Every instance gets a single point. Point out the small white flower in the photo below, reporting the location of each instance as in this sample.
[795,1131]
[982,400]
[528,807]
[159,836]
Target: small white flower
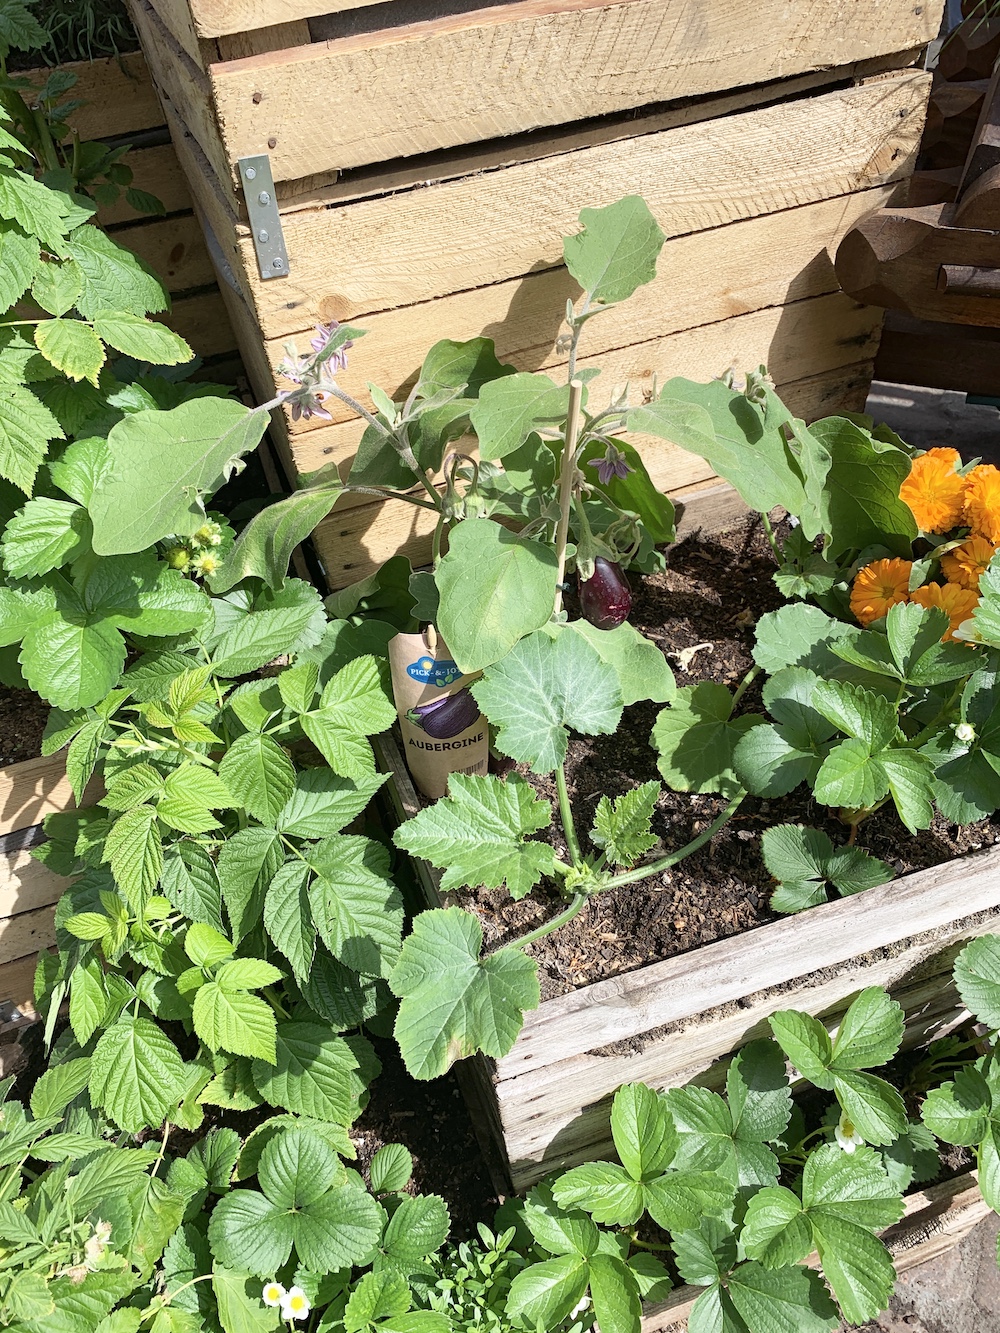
[847,1136]
[580,1307]
[965,732]
[273,1293]
[295,1304]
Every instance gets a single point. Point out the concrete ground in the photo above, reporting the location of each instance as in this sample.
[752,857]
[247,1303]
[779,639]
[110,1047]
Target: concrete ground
[960,1291]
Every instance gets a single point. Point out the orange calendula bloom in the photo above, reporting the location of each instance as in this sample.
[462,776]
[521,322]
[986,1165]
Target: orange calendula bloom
[968,562]
[879,586]
[934,491]
[982,501]
[958,603]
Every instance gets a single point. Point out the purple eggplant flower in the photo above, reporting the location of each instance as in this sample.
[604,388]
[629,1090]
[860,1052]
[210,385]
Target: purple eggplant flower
[324,332]
[309,403]
[613,464]
[605,598]
[447,716]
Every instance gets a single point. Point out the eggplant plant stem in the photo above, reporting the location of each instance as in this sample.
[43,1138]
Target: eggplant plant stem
[769,531]
[655,867]
[562,919]
[566,815]
[566,475]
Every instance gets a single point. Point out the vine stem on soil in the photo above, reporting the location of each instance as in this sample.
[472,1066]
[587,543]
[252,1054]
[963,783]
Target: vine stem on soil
[566,815]
[643,872]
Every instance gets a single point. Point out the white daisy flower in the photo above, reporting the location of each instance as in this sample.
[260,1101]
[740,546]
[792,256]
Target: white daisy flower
[273,1294]
[295,1304]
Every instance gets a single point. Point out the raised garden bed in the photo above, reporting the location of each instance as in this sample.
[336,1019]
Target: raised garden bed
[666,1022]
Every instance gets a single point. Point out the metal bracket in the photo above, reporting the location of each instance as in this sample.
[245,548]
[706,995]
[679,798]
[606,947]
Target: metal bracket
[265,220]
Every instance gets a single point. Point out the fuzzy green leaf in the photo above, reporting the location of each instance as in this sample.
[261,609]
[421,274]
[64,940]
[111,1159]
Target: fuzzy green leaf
[510,409]
[479,834]
[45,534]
[616,251]
[453,1000]
[354,904]
[622,827]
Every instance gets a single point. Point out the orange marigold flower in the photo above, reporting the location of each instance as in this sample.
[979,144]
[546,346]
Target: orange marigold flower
[968,562]
[982,501]
[934,491]
[879,586]
[959,603]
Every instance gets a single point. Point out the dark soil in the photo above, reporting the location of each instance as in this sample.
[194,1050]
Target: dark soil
[22,720]
[711,594]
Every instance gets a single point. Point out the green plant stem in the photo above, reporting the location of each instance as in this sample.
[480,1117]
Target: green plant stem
[566,815]
[577,904]
[567,473]
[655,867]
[384,493]
[577,327]
[436,539]
[771,540]
[745,684]
[926,732]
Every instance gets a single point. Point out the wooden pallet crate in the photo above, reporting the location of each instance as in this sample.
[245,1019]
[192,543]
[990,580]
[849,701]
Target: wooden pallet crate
[426,171]
[121,106]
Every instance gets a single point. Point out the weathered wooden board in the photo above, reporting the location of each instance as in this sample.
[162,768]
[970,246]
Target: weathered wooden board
[545,62]
[707,283]
[411,247]
[935,1220]
[31,790]
[803,338]
[17,984]
[354,541]
[26,933]
[157,171]
[26,885]
[174,248]
[212,18]
[117,96]
[202,320]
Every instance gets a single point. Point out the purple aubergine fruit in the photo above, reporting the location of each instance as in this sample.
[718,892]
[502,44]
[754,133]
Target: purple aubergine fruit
[605,598]
[447,716]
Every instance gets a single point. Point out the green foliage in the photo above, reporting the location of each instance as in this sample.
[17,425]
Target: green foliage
[696,738]
[805,861]
[622,827]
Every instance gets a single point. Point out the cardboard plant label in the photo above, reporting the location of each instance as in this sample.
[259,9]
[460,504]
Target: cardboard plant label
[443,729]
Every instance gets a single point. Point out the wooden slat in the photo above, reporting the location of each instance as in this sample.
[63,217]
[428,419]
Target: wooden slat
[26,885]
[681,988]
[352,544]
[939,356]
[212,18]
[559,1116]
[203,321]
[17,984]
[117,96]
[375,255]
[254,43]
[793,341]
[544,62]
[26,933]
[705,280]
[31,790]
[934,1221]
[174,248]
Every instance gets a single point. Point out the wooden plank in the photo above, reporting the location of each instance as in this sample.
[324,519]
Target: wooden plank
[352,544]
[33,789]
[202,320]
[26,933]
[379,254]
[177,76]
[793,341]
[174,248]
[680,988]
[175,15]
[934,1221]
[26,885]
[212,18]
[17,984]
[117,95]
[279,37]
[706,279]
[939,356]
[558,1116]
[545,62]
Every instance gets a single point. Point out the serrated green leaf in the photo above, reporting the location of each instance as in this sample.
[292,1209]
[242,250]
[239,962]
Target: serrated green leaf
[72,347]
[20,258]
[453,1000]
[316,1073]
[134,850]
[247,863]
[136,1073]
[390,1169]
[605,1190]
[57,285]
[58,1086]
[615,1295]
[874,1107]
[856,1265]
[776,1231]
[977,978]
[696,738]
[478,834]
[141,338]
[959,1111]
[235,1021]
[323,803]
[785,1300]
[418,1227]
[288,919]
[544,1294]
[870,1032]
[44,535]
[807,1044]
[622,827]
[354,904]
[191,882]
[112,277]
[26,428]
[541,689]
[260,770]
[797,636]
